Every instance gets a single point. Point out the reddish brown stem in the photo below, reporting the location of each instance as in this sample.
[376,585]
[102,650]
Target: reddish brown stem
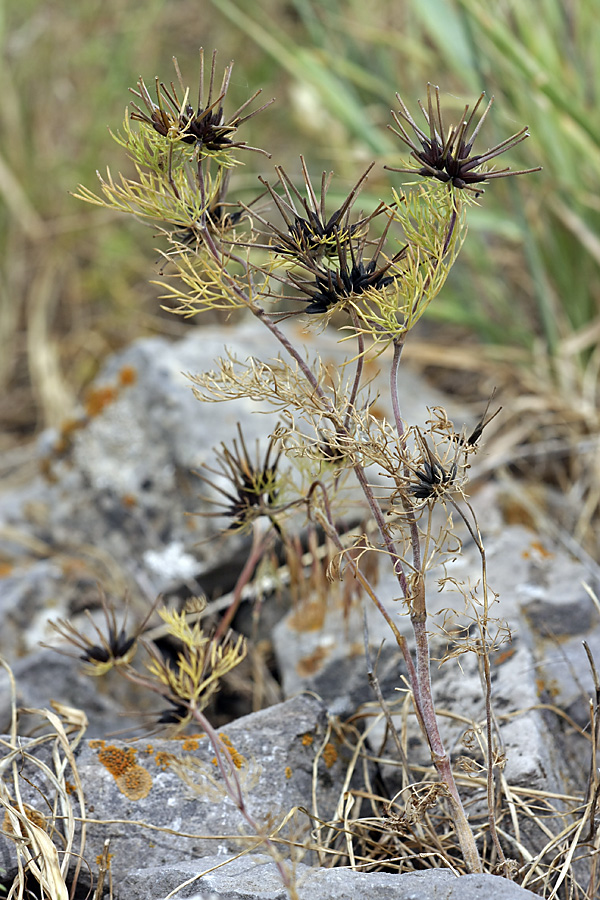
[235,793]
[260,543]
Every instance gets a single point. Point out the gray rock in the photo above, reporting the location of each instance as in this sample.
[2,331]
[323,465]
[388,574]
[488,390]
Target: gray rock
[110,703]
[114,509]
[257,878]
[175,787]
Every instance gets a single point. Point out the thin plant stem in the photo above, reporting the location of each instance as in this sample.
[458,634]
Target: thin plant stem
[399,423]
[482,622]
[375,508]
[418,618]
[441,759]
[451,225]
[328,525]
[260,543]
[376,688]
[236,794]
[359,368]
[359,471]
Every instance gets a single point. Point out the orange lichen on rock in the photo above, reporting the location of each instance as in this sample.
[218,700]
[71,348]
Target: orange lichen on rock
[98,399]
[309,616]
[135,782]
[498,659]
[550,687]
[117,759]
[288,772]
[188,739]
[127,376]
[311,664]
[132,779]
[540,550]
[307,740]
[64,441]
[237,759]
[163,759]
[35,817]
[330,755]
[61,447]
[95,402]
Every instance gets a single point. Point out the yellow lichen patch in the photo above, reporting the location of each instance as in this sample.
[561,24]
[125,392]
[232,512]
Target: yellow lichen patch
[117,759]
[163,759]
[539,549]
[190,743]
[330,755]
[288,772]
[97,399]
[70,787]
[311,664]
[309,616]
[237,759]
[135,782]
[196,736]
[307,740]
[127,376]
[131,779]
[35,817]
[499,658]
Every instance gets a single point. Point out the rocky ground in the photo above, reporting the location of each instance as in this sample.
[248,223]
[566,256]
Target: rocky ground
[111,506]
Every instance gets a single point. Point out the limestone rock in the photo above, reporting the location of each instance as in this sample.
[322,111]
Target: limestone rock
[257,878]
[174,787]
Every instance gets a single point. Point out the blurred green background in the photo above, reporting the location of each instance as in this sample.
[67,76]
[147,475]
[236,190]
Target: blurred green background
[74,279]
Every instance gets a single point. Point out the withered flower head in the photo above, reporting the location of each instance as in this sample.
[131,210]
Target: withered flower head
[309,231]
[432,480]
[447,155]
[253,485]
[433,476]
[207,126]
[116,644]
[351,276]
